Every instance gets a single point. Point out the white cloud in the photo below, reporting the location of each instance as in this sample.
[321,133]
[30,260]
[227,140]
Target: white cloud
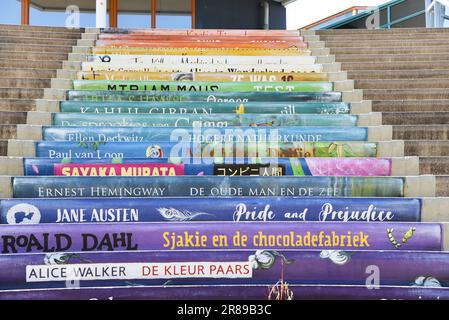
[303,12]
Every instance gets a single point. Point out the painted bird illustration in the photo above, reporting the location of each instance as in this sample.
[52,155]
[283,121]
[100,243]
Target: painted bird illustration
[21,216]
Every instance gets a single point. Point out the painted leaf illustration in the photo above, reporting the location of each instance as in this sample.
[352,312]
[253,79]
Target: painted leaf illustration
[83,144]
[332,148]
[340,152]
[65,160]
[175,160]
[117,160]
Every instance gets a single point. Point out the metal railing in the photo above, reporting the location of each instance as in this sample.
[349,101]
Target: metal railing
[436,13]
[387,8]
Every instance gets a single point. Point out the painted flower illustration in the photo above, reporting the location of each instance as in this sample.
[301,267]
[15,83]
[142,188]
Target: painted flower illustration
[56,258]
[423,281]
[336,256]
[264,259]
[62,258]
[280,291]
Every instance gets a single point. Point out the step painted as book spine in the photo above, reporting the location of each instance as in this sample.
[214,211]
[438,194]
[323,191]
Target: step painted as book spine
[230,292]
[197,86]
[158,149]
[215,60]
[264,209]
[186,135]
[207,166]
[212,97]
[201,51]
[198,236]
[134,75]
[206,186]
[193,107]
[327,267]
[222,120]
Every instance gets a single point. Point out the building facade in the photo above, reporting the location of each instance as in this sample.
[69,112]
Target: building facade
[205,14]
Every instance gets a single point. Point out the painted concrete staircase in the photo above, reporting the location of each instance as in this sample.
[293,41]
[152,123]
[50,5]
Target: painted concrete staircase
[335,65]
[405,72]
[29,58]
[395,97]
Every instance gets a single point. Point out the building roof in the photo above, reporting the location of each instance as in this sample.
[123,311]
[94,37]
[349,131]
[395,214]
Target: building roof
[352,11]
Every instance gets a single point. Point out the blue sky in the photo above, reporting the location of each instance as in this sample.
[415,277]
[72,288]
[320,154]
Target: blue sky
[303,12]
[10,14]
